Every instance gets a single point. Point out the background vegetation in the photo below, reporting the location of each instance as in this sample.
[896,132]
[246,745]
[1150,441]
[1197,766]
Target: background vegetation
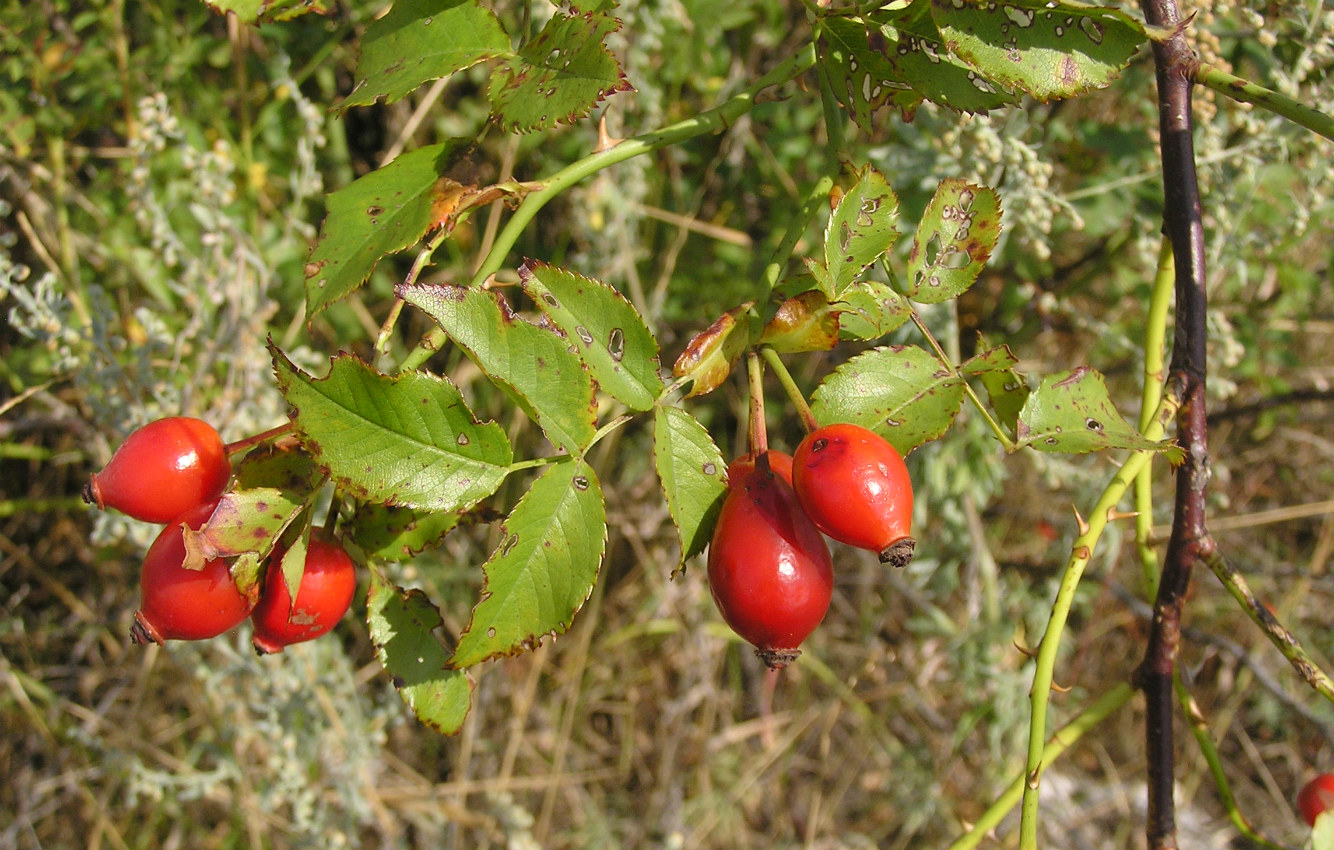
[162,172]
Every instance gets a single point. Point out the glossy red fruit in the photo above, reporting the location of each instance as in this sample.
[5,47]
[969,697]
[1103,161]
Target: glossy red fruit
[163,470]
[184,604]
[769,569]
[778,462]
[855,488]
[1316,797]
[323,597]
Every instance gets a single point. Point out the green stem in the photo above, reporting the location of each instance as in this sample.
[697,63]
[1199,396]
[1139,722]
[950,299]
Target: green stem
[1200,728]
[1155,373]
[1280,104]
[790,387]
[758,441]
[1066,737]
[1081,553]
[711,121]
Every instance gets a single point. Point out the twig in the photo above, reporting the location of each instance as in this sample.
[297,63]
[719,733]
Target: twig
[1174,64]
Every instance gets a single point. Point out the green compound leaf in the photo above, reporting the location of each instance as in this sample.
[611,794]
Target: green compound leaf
[953,242]
[897,56]
[1047,49]
[392,533]
[1006,388]
[610,335]
[535,364]
[403,629]
[559,76]
[405,440]
[1072,412]
[861,76]
[378,214]
[693,477]
[422,40]
[917,53]
[544,568]
[859,232]
[269,11]
[870,309]
[902,393]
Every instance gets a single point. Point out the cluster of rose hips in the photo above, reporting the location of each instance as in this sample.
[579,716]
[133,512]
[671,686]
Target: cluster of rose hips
[769,568]
[175,471]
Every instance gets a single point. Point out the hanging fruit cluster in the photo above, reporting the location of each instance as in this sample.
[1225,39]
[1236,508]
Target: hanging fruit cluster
[175,471]
[769,568]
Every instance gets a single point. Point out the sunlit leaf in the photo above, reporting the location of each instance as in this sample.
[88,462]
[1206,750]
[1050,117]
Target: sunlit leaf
[609,333]
[543,571]
[902,393]
[692,472]
[408,439]
[1006,388]
[381,213]
[422,40]
[869,309]
[1072,412]
[953,242]
[403,628]
[860,230]
[1047,49]
[558,76]
[536,364]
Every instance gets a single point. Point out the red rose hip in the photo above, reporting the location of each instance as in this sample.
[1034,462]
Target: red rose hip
[1316,797]
[163,470]
[184,604]
[327,586]
[769,569]
[855,487]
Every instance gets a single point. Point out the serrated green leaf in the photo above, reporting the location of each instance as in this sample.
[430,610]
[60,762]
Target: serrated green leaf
[860,230]
[269,11]
[1006,388]
[901,392]
[611,337]
[711,353]
[1072,411]
[693,476]
[405,440]
[917,54]
[536,364]
[558,76]
[870,309]
[402,628]
[1049,50]
[396,534]
[544,568]
[860,73]
[378,214]
[422,40]
[953,242]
